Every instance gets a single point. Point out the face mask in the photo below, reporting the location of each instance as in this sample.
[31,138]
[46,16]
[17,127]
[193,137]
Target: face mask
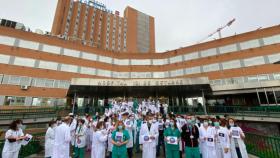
[150,121]
[193,119]
[154,120]
[189,121]
[172,124]
[205,124]
[54,125]
[131,118]
[197,121]
[19,126]
[231,124]
[210,122]
[216,124]
[120,127]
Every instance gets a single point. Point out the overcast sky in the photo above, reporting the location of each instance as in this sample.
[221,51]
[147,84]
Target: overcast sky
[178,23]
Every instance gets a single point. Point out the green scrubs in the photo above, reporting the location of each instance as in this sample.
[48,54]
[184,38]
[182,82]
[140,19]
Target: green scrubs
[120,151]
[79,152]
[172,151]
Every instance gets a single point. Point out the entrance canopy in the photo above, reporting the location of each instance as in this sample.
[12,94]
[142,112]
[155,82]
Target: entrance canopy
[139,87]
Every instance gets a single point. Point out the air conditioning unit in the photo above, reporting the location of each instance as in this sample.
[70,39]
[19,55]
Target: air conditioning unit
[24,87]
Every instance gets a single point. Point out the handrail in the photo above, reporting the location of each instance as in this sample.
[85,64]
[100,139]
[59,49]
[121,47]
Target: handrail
[263,146]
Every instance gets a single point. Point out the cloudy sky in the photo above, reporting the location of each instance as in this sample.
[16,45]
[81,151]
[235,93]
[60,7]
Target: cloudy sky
[178,23]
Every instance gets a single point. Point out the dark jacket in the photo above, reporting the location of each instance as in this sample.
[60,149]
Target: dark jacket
[186,135]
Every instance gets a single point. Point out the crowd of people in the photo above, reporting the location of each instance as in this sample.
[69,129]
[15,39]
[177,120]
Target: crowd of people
[127,128]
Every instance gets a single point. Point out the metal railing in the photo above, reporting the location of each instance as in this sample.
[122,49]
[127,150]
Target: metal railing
[33,147]
[263,146]
[265,111]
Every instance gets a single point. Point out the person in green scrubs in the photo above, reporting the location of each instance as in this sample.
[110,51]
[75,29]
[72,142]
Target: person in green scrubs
[172,150]
[138,127]
[120,138]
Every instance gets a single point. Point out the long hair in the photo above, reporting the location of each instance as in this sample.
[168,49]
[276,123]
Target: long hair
[175,123]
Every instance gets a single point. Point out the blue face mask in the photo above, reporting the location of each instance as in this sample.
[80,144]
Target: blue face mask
[120,127]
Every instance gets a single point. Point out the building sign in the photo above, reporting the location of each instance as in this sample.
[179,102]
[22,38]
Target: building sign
[139,82]
[96,4]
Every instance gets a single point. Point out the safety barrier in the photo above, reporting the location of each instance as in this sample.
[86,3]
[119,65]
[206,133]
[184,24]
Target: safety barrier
[263,146]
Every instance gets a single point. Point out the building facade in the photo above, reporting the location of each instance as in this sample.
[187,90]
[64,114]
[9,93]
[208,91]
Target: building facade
[92,24]
[37,69]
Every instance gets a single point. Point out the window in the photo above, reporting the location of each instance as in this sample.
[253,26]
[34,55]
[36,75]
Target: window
[72,53]
[192,70]
[104,73]
[176,59]
[7,40]
[4,59]
[51,49]
[191,56]
[271,40]
[276,76]
[14,80]
[89,56]
[28,44]
[141,75]
[88,71]
[274,58]
[25,81]
[140,62]
[254,61]
[175,73]
[24,62]
[49,83]
[48,65]
[208,52]
[105,59]
[228,48]
[39,82]
[231,64]
[250,44]
[160,74]
[263,77]
[121,61]
[211,67]
[13,100]
[160,61]
[69,68]
[120,74]
[252,78]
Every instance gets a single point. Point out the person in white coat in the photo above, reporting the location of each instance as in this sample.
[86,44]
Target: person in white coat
[206,137]
[49,139]
[237,136]
[99,137]
[222,142]
[80,139]
[62,139]
[13,138]
[129,126]
[148,138]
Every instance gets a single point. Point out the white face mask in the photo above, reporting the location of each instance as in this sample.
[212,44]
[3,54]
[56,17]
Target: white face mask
[205,124]
[231,124]
[19,126]
[150,121]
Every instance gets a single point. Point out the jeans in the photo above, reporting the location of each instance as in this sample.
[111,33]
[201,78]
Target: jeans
[238,153]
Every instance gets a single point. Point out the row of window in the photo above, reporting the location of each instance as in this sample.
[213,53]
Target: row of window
[35,82]
[32,101]
[245,79]
[94,57]
[28,62]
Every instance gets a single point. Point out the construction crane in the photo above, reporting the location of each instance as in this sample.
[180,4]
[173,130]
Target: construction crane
[218,31]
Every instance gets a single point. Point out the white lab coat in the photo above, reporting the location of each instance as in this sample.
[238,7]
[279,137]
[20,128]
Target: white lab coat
[222,142]
[11,149]
[98,144]
[130,128]
[49,142]
[149,148]
[80,141]
[241,145]
[207,150]
[73,126]
[62,138]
